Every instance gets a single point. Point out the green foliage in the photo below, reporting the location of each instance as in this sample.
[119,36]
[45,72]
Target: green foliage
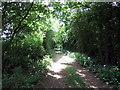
[109,74]
[25,51]
[95,31]
[21,79]
[49,43]
[18,80]
[40,65]
[26,54]
[14,80]
[74,79]
[28,35]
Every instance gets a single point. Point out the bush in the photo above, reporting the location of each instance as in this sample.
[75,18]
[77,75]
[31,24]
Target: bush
[22,52]
[15,80]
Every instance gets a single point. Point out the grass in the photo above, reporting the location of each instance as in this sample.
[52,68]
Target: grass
[74,79]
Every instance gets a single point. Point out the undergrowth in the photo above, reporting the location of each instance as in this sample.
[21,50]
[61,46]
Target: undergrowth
[20,79]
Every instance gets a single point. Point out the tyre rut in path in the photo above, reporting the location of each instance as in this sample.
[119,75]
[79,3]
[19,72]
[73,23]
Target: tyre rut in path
[56,76]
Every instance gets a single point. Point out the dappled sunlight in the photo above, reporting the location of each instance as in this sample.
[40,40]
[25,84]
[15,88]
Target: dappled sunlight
[82,75]
[60,64]
[38,36]
[57,72]
[55,76]
[93,86]
[66,59]
[85,70]
[89,78]
[57,67]
[79,70]
[58,52]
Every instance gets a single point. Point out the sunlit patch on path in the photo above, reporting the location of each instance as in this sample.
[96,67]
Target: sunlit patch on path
[61,61]
[56,76]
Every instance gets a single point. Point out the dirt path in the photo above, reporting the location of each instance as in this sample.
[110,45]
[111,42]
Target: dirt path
[56,77]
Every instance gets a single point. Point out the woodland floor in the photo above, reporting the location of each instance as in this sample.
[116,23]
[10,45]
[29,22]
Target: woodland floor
[56,76]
